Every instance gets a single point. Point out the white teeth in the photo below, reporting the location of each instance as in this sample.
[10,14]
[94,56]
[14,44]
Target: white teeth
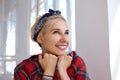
[63,47]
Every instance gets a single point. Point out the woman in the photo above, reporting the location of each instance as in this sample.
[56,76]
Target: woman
[51,32]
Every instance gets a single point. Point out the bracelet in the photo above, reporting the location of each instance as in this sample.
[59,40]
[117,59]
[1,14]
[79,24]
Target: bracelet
[46,79]
[48,76]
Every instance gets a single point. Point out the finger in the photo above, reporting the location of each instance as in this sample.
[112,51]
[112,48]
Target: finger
[54,56]
[62,57]
[45,55]
[70,57]
[40,57]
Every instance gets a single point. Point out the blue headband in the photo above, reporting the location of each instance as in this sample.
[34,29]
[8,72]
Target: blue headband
[42,21]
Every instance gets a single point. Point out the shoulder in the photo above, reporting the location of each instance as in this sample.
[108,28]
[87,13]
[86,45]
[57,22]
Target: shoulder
[77,60]
[78,67]
[32,62]
[75,56]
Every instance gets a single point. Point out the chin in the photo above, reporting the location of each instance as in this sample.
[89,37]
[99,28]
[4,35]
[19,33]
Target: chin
[60,54]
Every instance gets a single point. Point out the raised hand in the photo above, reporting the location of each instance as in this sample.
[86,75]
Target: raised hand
[63,63]
[48,63]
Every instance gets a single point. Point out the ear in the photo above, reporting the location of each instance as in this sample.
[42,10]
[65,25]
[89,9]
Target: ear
[39,38]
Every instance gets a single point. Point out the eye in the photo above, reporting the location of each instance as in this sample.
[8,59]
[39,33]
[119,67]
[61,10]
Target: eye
[67,32]
[55,32]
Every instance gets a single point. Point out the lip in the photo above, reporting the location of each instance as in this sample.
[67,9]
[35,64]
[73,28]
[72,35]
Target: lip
[62,47]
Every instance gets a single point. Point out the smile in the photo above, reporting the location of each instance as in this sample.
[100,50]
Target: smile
[62,47]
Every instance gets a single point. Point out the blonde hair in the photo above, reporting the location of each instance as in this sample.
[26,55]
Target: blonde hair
[33,27]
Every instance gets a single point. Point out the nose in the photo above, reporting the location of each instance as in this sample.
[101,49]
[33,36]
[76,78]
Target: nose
[64,38]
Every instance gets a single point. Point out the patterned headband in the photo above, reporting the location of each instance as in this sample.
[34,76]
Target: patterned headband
[42,21]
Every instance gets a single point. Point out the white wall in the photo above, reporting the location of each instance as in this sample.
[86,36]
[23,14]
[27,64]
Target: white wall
[92,41]
[114,35]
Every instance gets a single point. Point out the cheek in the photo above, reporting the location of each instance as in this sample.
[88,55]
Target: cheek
[54,40]
[68,38]
[51,40]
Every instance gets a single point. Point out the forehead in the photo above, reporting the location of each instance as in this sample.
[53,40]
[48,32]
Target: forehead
[58,23]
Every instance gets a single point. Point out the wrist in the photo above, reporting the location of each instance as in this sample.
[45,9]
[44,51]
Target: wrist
[47,77]
[64,76]
[51,73]
[62,70]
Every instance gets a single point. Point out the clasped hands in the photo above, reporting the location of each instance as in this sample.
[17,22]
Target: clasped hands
[49,62]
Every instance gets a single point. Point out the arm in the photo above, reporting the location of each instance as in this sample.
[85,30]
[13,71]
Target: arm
[48,63]
[63,63]
[20,75]
[80,69]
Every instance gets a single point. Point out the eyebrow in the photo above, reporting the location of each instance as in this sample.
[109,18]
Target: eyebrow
[55,29]
[58,29]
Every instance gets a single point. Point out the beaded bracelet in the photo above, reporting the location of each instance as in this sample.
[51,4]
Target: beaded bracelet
[48,76]
[46,79]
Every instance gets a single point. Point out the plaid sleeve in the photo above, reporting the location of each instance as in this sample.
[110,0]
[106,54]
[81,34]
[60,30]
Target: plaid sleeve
[78,68]
[19,74]
[28,69]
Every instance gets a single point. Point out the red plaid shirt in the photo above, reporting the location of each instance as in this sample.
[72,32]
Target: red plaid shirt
[30,69]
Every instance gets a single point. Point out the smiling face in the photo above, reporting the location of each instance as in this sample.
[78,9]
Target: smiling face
[55,39]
